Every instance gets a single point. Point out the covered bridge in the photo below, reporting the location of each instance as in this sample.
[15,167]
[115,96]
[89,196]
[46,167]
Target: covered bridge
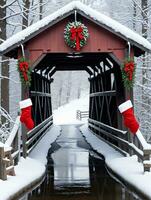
[108,45]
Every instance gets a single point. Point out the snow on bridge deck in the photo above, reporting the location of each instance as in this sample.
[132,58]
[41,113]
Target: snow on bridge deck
[29,171]
[32,168]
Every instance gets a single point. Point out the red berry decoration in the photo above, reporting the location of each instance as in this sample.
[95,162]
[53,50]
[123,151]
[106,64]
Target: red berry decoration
[128,73]
[25,71]
[76,35]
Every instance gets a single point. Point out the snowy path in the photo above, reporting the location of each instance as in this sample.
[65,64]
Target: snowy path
[32,168]
[128,168]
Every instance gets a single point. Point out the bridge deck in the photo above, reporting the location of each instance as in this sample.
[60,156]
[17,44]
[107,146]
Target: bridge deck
[75,171]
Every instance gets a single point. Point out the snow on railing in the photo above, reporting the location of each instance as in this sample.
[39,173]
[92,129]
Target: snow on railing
[13,133]
[82,114]
[31,138]
[146,151]
[9,152]
[122,141]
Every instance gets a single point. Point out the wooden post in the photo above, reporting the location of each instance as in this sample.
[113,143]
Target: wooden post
[146,157]
[16,147]
[3,174]
[24,140]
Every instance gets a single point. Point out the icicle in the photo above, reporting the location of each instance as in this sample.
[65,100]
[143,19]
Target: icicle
[75,16]
[129,49]
[23,52]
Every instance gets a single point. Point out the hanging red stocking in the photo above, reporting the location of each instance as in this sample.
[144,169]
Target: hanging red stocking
[26,118]
[126,109]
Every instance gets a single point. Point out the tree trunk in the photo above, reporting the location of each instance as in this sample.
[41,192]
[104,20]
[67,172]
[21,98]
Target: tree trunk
[134,16]
[40,9]
[5,64]
[26,14]
[145,99]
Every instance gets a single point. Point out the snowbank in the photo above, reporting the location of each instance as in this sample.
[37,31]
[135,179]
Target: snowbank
[66,114]
[29,170]
[126,167]
[40,151]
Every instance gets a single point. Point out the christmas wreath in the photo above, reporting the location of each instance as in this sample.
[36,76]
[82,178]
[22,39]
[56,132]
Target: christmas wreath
[24,71]
[76,35]
[128,73]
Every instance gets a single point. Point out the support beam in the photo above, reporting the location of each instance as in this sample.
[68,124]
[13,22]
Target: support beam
[53,71]
[89,71]
[49,69]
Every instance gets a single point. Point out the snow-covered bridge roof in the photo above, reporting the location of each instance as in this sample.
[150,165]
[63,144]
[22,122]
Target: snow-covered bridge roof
[93,15]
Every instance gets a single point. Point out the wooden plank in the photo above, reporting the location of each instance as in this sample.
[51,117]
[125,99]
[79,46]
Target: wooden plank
[120,141]
[3,174]
[29,141]
[112,145]
[34,130]
[95,100]
[10,170]
[40,94]
[110,135]
[108,128]
[104,93]
[47,128]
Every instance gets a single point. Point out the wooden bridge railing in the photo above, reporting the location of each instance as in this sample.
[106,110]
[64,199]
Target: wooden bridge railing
[119,140]
[31,138]
[82,114]
[10,152]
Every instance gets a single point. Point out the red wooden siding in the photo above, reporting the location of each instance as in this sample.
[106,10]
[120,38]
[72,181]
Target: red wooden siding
[52,40]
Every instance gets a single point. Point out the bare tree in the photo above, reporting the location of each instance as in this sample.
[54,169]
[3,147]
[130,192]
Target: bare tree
[4,63]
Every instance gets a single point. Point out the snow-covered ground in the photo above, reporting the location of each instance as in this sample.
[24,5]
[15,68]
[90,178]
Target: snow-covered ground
[31,169]
[128,168]
[40,151]
[27,171]
[66,114]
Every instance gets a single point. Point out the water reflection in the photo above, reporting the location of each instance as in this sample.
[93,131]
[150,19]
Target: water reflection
[71,166]
[74,171]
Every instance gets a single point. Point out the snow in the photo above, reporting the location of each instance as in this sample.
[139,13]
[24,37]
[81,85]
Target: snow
[128,168]
[30,169]
[142,140]
[102,19]
[66,114]
[6,147]
[27,171]
[33,167]
[13,132]
[40,151]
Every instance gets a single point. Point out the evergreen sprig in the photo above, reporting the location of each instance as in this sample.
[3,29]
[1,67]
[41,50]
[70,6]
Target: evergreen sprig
[128,83]
[28,72]
[67,34]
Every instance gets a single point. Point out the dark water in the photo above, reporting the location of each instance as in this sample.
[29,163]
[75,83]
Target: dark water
[75,172]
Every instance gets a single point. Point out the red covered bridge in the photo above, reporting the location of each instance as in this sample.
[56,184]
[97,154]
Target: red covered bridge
[108,45]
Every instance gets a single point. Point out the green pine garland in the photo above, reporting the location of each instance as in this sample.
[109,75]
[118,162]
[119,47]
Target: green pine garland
[67,34]
[22,61]
[128,73]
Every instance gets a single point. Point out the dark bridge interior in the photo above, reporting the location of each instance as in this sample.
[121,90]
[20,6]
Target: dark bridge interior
[106,87]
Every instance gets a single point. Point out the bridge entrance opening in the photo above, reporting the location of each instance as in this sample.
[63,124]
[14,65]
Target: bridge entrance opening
[104,76]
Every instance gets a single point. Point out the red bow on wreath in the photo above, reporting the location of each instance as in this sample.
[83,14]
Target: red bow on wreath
[129,69]
[76,34]
[23,67]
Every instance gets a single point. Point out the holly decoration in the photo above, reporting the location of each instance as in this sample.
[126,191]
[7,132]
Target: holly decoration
[76,35]
[128,73]
[25,71]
